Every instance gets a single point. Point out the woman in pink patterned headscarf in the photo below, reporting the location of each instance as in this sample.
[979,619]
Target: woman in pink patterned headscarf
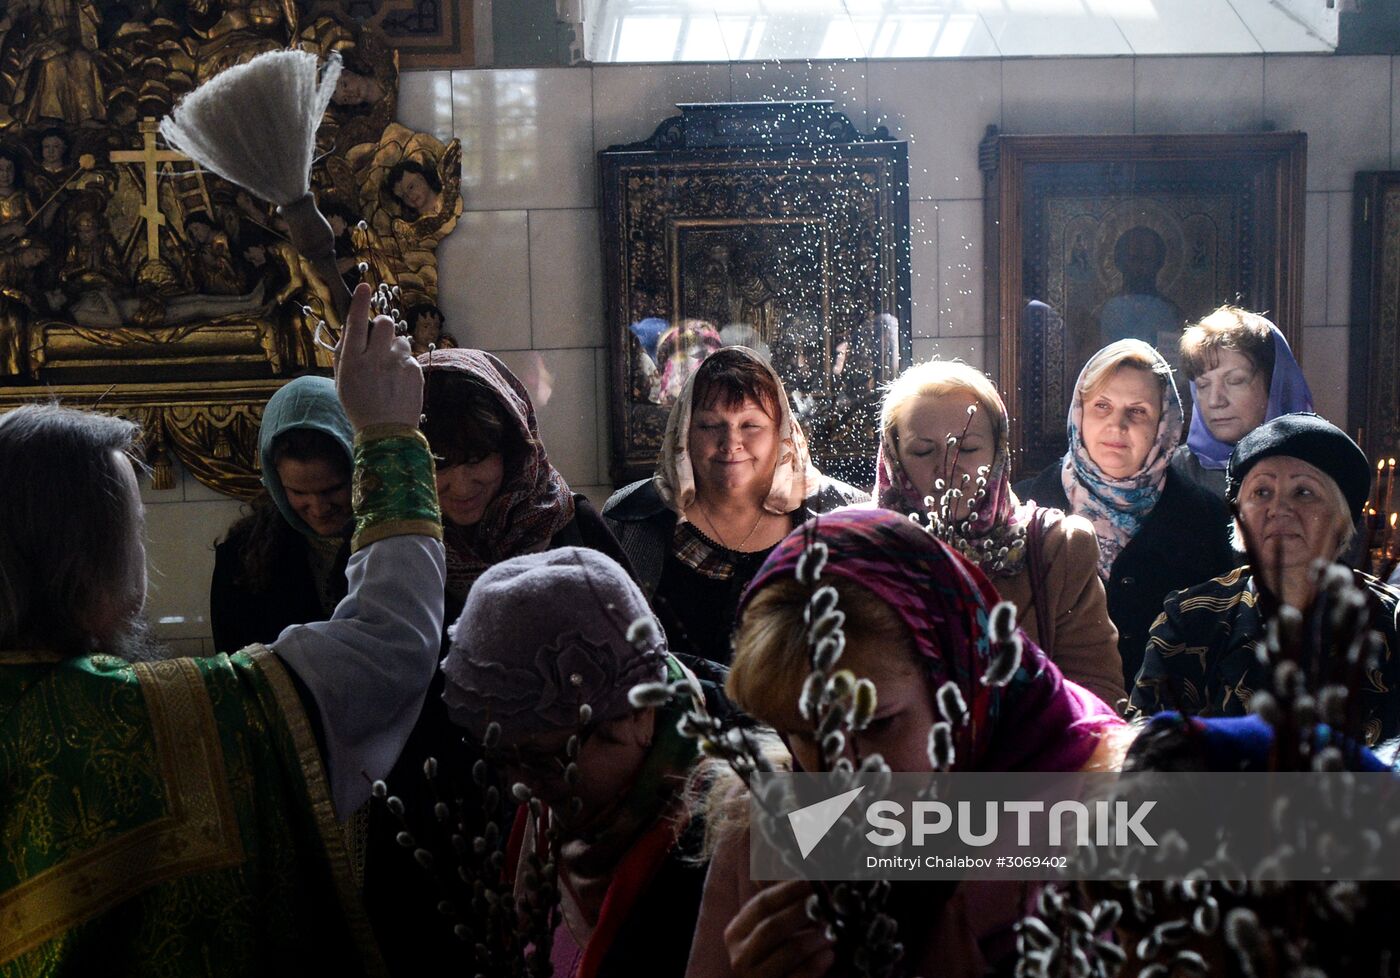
[944,429]
[916,618]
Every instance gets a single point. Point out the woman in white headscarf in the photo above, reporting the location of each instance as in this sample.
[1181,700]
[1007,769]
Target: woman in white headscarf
[733,479]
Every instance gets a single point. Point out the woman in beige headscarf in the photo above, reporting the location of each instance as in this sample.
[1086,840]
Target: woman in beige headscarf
[733,479]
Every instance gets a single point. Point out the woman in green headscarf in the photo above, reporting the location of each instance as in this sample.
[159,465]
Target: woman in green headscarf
[284,563]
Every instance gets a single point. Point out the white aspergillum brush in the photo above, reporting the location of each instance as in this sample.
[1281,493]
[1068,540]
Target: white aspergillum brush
[255,125]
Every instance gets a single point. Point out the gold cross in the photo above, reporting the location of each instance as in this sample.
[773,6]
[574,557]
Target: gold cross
[151,158]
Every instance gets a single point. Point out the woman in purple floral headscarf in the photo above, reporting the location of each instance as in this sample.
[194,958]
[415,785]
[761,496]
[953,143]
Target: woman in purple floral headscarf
[916,617]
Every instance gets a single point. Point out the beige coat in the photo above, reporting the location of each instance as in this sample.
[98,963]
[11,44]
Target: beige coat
[1086,641]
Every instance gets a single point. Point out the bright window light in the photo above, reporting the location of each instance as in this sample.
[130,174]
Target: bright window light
[648,39]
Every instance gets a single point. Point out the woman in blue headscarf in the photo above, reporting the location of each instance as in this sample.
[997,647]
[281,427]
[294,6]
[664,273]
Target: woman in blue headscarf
[1242,374]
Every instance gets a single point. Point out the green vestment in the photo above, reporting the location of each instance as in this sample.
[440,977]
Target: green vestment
[168,818]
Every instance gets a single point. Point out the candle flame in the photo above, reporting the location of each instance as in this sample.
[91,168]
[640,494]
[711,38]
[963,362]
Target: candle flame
[1392,519]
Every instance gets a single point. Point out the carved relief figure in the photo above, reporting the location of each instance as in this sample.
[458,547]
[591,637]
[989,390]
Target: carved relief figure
[21,348]
[212,260]
[408,186]
[92,261]
[57,75]
[290,283]
[16,205]
[240,31]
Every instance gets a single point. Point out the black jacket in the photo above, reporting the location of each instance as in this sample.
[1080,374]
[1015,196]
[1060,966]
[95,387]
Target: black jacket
[1184,541]
[643,525]
[241,614]
[1201,657]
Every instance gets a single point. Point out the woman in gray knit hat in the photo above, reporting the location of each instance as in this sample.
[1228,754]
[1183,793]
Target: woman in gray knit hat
[541,656]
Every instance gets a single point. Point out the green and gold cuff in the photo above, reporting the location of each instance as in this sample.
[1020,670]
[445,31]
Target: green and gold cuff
[394,490]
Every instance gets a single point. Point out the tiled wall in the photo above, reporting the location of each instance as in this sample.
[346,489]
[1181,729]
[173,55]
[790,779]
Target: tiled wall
[521,272]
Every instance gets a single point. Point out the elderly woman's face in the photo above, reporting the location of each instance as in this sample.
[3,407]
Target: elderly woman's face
[1232,397]
[904,710]
[938,440]
[733,450]
[1288,510]
[1120,421]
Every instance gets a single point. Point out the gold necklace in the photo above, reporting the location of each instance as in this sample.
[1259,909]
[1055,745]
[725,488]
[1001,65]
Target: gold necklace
[715,530]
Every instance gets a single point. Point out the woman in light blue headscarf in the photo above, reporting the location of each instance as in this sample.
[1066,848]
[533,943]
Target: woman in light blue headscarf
[1157,531]
[1242,374]
[284,563]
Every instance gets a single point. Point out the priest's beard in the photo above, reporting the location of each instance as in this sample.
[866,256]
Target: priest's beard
[135,643]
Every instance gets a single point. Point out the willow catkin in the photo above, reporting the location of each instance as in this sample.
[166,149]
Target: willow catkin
[255,124]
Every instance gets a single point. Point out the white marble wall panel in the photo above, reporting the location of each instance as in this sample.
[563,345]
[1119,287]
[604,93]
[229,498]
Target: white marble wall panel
[1338,102]
[425,102]
[1316,241]
[1067,95]
[566,279]
[527,137]
[484,276]
[923,266]
[943,109]
[1199,94]
[180,540]
[1325,350]
[563,386]
[960,268]
[1339,226]
[603,438]
[629,100]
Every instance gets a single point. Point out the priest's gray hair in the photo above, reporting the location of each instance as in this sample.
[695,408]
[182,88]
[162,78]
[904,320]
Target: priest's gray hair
[65,523]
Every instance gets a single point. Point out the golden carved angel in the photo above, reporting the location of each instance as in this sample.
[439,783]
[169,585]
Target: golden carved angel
[408,186]
[367,92]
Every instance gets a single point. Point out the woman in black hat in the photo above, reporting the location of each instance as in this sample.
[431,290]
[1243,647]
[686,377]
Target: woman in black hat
[1298,485]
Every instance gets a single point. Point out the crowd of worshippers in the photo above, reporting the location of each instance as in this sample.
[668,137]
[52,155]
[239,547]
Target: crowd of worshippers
[392,691]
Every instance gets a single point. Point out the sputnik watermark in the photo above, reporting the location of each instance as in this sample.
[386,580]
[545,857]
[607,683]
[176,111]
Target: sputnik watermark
[1111,823]
[1078,826]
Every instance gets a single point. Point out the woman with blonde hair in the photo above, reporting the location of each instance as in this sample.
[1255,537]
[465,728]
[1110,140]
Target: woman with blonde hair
[944,427]
[1157,532]
[916,620]
[1242,374]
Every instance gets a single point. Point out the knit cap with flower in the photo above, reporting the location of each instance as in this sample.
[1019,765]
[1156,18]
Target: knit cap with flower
[543,634]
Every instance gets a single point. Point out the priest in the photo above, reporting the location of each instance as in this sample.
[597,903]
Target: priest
[182,816]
